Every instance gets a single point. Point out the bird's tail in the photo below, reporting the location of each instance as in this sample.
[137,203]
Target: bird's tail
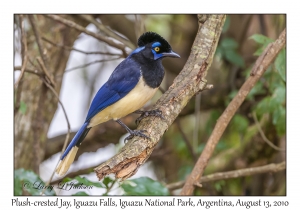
[69,155]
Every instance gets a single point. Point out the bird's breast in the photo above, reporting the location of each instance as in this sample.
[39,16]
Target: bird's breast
[133,101]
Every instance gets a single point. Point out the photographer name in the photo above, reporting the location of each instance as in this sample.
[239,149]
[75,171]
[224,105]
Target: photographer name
[61,185]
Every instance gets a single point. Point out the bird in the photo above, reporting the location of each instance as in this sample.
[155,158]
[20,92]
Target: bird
[133,82]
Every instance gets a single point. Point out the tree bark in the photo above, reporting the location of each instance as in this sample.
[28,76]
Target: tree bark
[31,126]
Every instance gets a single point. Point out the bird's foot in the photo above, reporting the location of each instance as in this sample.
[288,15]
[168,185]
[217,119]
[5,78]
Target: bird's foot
[133,133]
[144,114]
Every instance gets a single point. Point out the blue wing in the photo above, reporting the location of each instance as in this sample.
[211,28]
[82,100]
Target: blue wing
[123,79]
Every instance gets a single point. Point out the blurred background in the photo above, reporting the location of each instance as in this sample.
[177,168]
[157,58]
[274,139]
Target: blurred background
[79,64]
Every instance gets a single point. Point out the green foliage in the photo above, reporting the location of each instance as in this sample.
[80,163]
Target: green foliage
[26,181]
[81,193]
[184,171]
[227,49]
[239,123]
[262,40]
[23,107]
[144,186]
[258,89]
[86,182]
[107,180]
[280,64]
[219,185]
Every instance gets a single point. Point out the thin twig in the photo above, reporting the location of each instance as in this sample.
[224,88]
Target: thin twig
[186,140]
[74,25]
[29,70]
[43,67]
[263,135]
[108,32]
[233,174]
[68,133]
[24,50]
[38,39]
[90,63]
[110,187]
[77,50]
[261,65]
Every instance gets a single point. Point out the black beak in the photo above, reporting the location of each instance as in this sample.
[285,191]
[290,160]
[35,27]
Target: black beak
[171,54]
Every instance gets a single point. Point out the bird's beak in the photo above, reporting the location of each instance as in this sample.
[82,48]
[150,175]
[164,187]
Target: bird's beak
[171,54]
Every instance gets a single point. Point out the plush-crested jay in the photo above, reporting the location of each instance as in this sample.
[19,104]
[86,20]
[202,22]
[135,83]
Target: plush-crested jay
[134,81]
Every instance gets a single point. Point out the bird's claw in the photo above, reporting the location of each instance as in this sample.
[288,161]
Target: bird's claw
[133,133]
[155,113]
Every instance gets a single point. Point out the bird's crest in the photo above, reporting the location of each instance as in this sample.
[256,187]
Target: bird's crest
[149,37]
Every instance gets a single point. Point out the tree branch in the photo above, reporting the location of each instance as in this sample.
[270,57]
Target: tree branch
[190,81]
[74,25]
[24,50]
[38,39]
[234,174]
[68,133]
[77,50]
[263,135]
[263,61]
[91,63]
[108,32]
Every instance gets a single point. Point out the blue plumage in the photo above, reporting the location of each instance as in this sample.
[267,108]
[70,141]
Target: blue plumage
[74,141]
[123,79]
[130,86]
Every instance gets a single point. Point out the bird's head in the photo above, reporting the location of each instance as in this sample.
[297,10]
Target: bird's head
[154,47]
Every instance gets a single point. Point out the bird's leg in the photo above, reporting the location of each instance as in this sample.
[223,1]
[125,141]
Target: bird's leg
[144,114]
[132,133]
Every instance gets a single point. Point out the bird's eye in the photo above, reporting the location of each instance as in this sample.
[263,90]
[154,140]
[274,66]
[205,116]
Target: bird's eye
[156,49]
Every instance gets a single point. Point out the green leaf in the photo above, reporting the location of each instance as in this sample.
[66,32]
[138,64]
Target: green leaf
[280,64]
[81,193]
[17,187]
[144,186]
[23,107]
[278,96]
[280,113]
[259,51]
[233,57]
[107,180]
[229,43]
[239,123]
[261,39]
[279,119]
[264,106]
[29,181]
[67,179]
[258,89]
[86,182]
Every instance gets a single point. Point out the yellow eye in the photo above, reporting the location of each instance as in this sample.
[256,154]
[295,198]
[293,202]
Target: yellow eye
[157,49]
